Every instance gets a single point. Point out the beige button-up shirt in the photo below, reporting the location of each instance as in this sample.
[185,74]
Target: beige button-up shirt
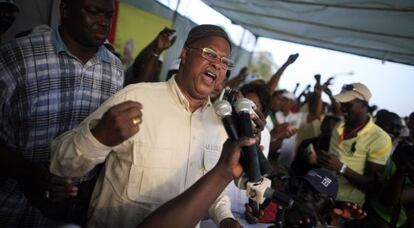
[172,150]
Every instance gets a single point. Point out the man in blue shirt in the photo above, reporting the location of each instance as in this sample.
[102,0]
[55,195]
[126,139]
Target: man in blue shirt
[49,82]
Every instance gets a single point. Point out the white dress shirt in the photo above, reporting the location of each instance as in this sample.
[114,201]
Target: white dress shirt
[172,150]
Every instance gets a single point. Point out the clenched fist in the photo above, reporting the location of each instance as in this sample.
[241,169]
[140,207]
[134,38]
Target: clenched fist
[119,123]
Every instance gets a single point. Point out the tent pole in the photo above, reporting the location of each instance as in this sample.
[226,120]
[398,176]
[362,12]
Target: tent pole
[240,46]
[175,14]
[254,47]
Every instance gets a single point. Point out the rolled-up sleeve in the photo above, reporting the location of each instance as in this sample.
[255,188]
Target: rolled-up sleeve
[221,209]
[76,152]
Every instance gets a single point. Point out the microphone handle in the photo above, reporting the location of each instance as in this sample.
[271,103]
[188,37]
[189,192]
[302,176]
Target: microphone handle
[230,127]
[265,166]
[249,152]
[250,160]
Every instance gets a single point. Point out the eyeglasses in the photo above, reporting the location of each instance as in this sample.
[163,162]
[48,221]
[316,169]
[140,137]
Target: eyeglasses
[212,56]
[350,87]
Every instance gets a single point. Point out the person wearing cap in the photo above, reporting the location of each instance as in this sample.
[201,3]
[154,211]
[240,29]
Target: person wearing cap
[315,193]
[151,159]
[49,83]
[359,149]
[8,10]
[296,120]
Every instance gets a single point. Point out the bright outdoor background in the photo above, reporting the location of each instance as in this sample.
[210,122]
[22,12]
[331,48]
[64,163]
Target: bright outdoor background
[391,84]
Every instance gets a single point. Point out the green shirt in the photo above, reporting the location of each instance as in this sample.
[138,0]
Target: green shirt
[383,212]
[371,144]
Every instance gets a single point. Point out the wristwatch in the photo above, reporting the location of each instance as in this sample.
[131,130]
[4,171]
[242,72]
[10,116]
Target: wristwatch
[343,168]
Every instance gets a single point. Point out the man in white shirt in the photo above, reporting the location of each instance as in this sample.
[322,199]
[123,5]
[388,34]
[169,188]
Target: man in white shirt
[297,120]
[156,139]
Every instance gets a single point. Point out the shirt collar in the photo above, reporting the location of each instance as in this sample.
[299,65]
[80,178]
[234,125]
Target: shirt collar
[181,97]
[57,41]
[368,126]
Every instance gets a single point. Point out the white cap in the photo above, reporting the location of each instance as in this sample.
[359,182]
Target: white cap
[353,91]
[251,78]
[289,95]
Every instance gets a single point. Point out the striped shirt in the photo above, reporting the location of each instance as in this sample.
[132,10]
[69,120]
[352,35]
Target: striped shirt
[45,91]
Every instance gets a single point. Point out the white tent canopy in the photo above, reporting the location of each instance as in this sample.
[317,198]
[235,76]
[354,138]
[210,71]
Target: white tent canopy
[381,29]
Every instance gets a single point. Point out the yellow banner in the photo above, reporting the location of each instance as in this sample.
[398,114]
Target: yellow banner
[135,30]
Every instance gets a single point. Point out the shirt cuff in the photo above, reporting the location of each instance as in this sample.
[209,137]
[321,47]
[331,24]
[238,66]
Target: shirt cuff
[88,144]
[220,213]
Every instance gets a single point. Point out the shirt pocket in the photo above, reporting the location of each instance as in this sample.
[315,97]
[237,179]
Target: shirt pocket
[155,176]
[210,158]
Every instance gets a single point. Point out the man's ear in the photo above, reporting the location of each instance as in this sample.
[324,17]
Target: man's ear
[184,53]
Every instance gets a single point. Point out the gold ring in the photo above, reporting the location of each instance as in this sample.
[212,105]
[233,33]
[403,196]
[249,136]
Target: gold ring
[136,120]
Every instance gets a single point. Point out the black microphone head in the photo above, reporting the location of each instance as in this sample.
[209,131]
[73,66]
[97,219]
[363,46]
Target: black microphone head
[244,105]
[223,108]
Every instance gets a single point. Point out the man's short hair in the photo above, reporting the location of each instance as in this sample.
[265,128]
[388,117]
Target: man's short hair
[261,91]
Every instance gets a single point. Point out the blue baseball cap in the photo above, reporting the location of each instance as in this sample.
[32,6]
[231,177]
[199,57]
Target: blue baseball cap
[323,181]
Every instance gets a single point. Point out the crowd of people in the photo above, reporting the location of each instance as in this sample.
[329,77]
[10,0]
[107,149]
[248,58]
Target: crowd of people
[88,141]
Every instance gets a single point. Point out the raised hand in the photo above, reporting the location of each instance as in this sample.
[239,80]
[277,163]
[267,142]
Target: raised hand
[163,39]
[119,123]
[292,58]
[284,130]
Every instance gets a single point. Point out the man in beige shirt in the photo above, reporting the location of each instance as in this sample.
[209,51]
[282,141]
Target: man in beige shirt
[156,139]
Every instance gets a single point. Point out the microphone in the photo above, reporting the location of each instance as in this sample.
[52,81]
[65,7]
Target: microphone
[249,153]
[224,110]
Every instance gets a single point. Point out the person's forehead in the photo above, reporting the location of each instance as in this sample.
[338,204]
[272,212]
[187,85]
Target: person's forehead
[253,97]
[216,43]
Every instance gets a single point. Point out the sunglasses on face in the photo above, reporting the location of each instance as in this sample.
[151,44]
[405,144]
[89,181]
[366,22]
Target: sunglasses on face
[212,56]
[350,87]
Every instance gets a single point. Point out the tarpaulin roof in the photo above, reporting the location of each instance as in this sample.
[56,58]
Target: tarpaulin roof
[381,29]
